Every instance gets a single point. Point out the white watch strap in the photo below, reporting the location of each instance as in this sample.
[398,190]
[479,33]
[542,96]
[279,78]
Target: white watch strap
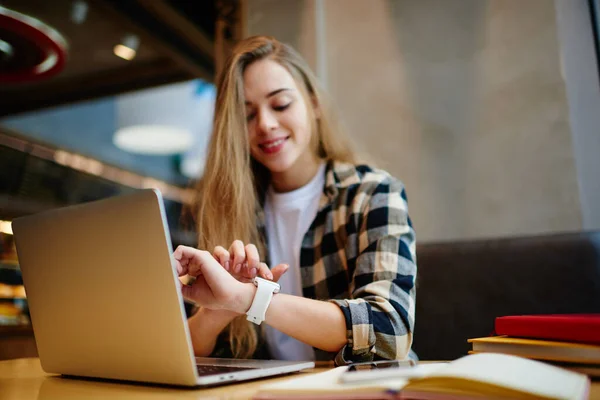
[262,299]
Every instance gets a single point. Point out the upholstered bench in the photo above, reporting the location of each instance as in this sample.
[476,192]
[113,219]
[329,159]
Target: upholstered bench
[462,286]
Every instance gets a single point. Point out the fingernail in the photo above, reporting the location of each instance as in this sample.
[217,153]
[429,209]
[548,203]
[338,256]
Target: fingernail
[237,268]
[269,276]
[227,265]
[253,272]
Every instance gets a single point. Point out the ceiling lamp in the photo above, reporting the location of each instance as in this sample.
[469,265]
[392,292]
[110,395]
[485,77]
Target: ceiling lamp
[30,50]
[6,227]
[128,47]
[157,121]
[153,139]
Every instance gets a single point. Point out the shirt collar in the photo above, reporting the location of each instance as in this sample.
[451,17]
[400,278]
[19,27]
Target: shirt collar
[338,175]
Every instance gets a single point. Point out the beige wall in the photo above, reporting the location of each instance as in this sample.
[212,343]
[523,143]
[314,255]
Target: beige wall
[463,100]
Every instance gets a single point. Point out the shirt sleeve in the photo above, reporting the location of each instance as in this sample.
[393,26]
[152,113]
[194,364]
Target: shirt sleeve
[380,316]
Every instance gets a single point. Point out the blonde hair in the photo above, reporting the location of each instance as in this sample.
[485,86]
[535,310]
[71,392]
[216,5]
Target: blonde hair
[233,185]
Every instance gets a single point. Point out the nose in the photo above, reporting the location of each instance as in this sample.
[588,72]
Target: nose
[267,121]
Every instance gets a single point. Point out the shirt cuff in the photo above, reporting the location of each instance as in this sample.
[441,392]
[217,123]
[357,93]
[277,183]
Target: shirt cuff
[360,332]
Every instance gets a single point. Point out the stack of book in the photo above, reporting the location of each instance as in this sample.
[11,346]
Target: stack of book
[571,341]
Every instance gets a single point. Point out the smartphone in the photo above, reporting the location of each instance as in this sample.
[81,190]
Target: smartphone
[376,370]
[370,365]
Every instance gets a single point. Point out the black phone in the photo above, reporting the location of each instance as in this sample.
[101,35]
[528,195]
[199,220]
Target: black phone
[369,365]
[375,370]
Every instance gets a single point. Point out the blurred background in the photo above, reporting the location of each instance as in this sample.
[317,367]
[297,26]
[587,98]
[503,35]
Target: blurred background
[487,110]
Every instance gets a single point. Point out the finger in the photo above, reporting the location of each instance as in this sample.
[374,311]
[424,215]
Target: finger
[264,272]
[197,291]
[222,255]
[238,256]
[181,259]
[248,272]
[278,271]
[183,252]
[203,263]
[181,270]
[191,259]
[252,257]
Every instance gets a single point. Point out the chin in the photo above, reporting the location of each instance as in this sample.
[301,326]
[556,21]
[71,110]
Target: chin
[279,166]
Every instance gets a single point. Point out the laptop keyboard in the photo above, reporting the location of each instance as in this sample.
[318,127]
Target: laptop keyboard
[204,370]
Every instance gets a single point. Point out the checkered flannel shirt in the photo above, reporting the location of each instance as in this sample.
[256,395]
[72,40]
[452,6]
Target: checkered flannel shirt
[359,253]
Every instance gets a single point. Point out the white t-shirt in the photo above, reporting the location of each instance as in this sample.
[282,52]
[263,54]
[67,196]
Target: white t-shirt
[288,217]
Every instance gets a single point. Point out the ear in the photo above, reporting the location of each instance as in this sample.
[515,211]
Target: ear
[316,106]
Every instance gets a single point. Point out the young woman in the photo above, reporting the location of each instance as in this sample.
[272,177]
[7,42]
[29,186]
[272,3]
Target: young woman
[282,183]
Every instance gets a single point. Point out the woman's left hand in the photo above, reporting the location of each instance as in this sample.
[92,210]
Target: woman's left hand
[213,288]
[243,262]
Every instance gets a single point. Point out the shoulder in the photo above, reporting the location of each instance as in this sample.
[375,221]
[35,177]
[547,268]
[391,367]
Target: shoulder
[362,178]
[353,189]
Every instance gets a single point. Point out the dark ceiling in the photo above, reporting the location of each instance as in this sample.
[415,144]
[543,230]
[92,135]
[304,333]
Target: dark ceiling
[176,44]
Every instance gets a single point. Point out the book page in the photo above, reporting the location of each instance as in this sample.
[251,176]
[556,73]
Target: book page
[513,372]
[329,382]
[417,371]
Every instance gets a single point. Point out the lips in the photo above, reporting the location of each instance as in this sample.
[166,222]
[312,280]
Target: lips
[273,146]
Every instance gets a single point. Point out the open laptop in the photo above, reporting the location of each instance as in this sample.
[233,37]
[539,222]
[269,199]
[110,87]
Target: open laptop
[105,299]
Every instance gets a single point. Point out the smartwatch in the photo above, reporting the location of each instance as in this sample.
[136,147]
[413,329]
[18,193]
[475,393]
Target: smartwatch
[262,299]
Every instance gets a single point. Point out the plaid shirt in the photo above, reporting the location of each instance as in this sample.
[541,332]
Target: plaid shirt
[359,253]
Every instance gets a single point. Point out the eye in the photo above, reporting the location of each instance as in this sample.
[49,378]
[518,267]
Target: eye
[250,116]
[282,107]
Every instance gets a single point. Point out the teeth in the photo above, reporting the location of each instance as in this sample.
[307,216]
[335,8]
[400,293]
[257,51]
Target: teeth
[275,143]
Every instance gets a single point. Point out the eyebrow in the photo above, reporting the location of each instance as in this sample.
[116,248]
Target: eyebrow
[273,93]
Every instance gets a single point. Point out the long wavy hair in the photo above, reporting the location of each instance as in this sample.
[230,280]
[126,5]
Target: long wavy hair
[233,186]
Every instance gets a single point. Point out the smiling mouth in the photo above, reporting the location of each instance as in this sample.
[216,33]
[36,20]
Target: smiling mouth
[274,144]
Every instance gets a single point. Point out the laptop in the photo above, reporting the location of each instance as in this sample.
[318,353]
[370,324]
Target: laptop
[105,300]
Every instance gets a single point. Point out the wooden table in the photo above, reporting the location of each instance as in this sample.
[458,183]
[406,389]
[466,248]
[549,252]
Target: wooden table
[23,379]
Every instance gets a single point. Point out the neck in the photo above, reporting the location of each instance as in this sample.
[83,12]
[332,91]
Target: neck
[297,176]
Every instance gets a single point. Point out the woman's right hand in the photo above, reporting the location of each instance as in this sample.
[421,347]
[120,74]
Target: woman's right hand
[243,262]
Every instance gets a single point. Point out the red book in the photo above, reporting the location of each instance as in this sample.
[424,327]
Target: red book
[581,328]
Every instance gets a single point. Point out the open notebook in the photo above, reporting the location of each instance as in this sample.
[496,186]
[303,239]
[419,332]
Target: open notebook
[469,377]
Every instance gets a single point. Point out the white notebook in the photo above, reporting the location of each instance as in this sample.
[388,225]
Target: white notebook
[472,376]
